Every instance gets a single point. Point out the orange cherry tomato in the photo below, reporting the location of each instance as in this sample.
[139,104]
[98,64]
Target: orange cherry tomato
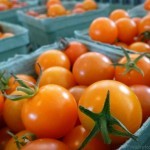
[134,77]
[140,47]
[103,30]
[56,10]
[118,14]
[147,5]
[12,113]
[91,67]
[77,91]
[124,105]
[12,84]
[58,75]
[1,103]
[52,2]
[46,144]
[89,5]
[136,20]
[52,58]
[76,136]
[127,30]
[143,94]
[51,113]
[74,50]
[144,24]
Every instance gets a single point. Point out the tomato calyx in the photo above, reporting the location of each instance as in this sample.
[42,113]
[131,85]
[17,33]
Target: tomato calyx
[131,64]
[27,90]
[23,140]
[3,81]
[63,43]
[104,123]
[145,36]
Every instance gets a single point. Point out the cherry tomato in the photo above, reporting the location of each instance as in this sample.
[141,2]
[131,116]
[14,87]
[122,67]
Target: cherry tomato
[56,10]
[52,2]
[134,77]
[11,144]
[124,105]
[51,113]
[140,47]
[12,113]
[103,30]
[136,20]
[89,5]
[143,94]
[1,103]
[147,5]
[46,144]
[52,58]
[118,14]
[74,50]
[12,84]
[77,91]
[127,30]
[76,136]
[58,75]
[91,67]
[4,137]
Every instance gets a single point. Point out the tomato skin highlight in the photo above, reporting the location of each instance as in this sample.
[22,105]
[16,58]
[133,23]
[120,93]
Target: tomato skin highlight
[124,105]
[46,144]
[51,113]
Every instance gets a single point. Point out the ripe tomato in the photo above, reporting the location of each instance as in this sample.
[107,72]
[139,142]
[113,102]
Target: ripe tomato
[74,50]
[56,10]
[140,47]
[136,20]
[58,75]
[134,77]
[127,30]
[77,91]
[76,136]
[52,2]
[89,5]
[147,5]
[124,105]
[1,103]
[51,113]
[143,94]
[11,144]
[103,30]
[144,24]
[4,137]
[12,84]
[91,67]
[46,144]
[12,113]
[118,14]
[52,58]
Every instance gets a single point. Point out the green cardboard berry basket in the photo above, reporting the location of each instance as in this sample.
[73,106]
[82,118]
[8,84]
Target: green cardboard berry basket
[46,31]
[13,45]
[11,15]
[25,64]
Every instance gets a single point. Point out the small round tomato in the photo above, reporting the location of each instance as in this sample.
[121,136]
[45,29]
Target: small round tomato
[76,136]
[4,137]
[91,67]
[46,144]
[12,113]
[74,50]
[52,2]
[118,13]
[51,113]
[12,84]
[124,105]
[147,5]
[144,24]
[77,91]
[103,30]
[127,30]
[136,20]
[11,144]
[143,94]
[1,103]
[56,10]
[52,58]
[89,5]
[58,75]
[133,76]
[140,47]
